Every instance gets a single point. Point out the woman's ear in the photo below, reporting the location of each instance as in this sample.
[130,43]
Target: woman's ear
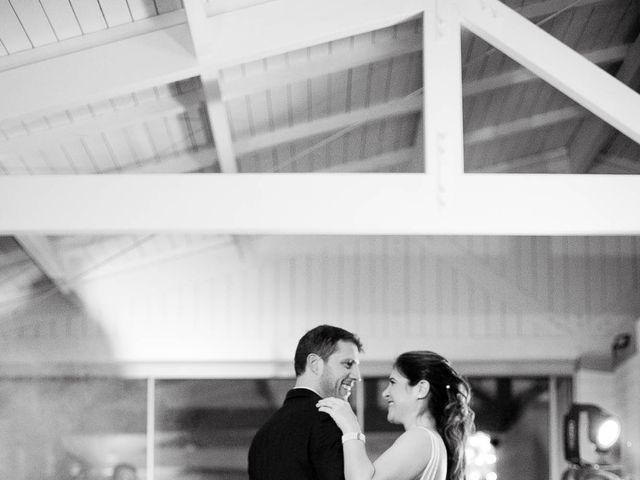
[315,364]
[422,389]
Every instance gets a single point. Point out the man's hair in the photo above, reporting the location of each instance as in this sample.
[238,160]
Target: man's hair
[321,340]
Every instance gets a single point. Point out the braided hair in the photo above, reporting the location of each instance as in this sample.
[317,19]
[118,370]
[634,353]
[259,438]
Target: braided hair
[447,402]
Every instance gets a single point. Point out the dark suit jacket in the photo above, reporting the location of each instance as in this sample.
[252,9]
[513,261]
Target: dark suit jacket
[297,443]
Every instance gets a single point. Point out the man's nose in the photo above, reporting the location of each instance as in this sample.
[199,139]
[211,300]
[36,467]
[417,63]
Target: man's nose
[355,373]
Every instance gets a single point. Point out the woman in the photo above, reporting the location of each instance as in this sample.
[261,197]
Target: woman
[431,401]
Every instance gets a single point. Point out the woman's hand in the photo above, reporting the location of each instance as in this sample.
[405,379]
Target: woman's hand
[341,412]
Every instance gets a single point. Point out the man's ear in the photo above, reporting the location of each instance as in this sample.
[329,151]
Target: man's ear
[315,364]
[422,389]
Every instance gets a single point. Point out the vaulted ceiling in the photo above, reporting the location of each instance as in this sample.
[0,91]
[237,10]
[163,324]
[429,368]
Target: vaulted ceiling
[122,122]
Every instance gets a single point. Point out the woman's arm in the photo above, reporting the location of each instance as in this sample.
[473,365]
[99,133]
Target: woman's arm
[404,460]
[357,465]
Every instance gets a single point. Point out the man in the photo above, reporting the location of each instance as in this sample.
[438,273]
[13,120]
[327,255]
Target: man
[298,442]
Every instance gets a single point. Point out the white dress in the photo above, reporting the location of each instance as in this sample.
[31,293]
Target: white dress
[436,468]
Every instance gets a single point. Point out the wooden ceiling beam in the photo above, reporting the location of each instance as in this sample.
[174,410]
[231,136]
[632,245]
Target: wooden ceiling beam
[41,251]
[42,139]
[603,56]
[529,45]
[393,108]
[594,134]
[550,7]
[92,40]
[623,165]
[164,56]
[538,121]
[94,125]
[476,204]
[382,162]
[105,71]
[442,95]
[318,67]
[203,39]
[554,160]
[181,163]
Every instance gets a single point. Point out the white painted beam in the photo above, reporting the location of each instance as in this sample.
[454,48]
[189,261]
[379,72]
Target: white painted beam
[42,139]
[382,162]
[118,119]
[15,257]
[283,26]
[478,204]
[92,40]
[475,87]
[219,124]
[181,163]
[164,56]
[317,67]
[540,120]
[550,7]
[565,69]
[393,108]
[203,41]
[442,92]
[554,160]
[594,134]
[155,58]
[42,253]
[623,165]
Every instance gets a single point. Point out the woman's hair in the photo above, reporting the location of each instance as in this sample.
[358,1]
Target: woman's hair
[447,401]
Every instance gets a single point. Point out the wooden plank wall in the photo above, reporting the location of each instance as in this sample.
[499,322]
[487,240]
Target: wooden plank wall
[471,298]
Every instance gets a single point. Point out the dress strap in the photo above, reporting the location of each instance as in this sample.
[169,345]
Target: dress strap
[435,441]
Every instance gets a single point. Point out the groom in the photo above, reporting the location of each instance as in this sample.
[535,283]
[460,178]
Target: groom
[298,442]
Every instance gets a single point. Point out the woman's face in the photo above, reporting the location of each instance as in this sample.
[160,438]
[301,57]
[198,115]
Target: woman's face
[401,397]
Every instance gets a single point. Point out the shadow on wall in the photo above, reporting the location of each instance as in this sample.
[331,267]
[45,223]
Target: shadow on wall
[58,418]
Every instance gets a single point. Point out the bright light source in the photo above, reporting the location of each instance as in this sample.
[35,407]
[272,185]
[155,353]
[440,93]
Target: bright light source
[587,426]
[607,434]
[475,476]
[481,457]
[480,440]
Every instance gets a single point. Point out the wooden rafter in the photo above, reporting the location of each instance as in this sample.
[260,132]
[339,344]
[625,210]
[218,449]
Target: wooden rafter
[218,120]
[540,120]
[605,96]
[57,134]
[475,87]
[594,134]
[383,162]
[43,254]
[392,108]
[163,56]
[324,204]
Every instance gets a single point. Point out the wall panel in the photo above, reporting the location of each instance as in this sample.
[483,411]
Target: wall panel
[481,298]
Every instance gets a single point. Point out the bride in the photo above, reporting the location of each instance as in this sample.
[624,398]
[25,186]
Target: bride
[431,401]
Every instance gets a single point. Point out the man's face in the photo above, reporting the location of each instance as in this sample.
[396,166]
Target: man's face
[341,371]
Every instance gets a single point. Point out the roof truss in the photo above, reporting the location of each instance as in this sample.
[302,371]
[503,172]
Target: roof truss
[442,200]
